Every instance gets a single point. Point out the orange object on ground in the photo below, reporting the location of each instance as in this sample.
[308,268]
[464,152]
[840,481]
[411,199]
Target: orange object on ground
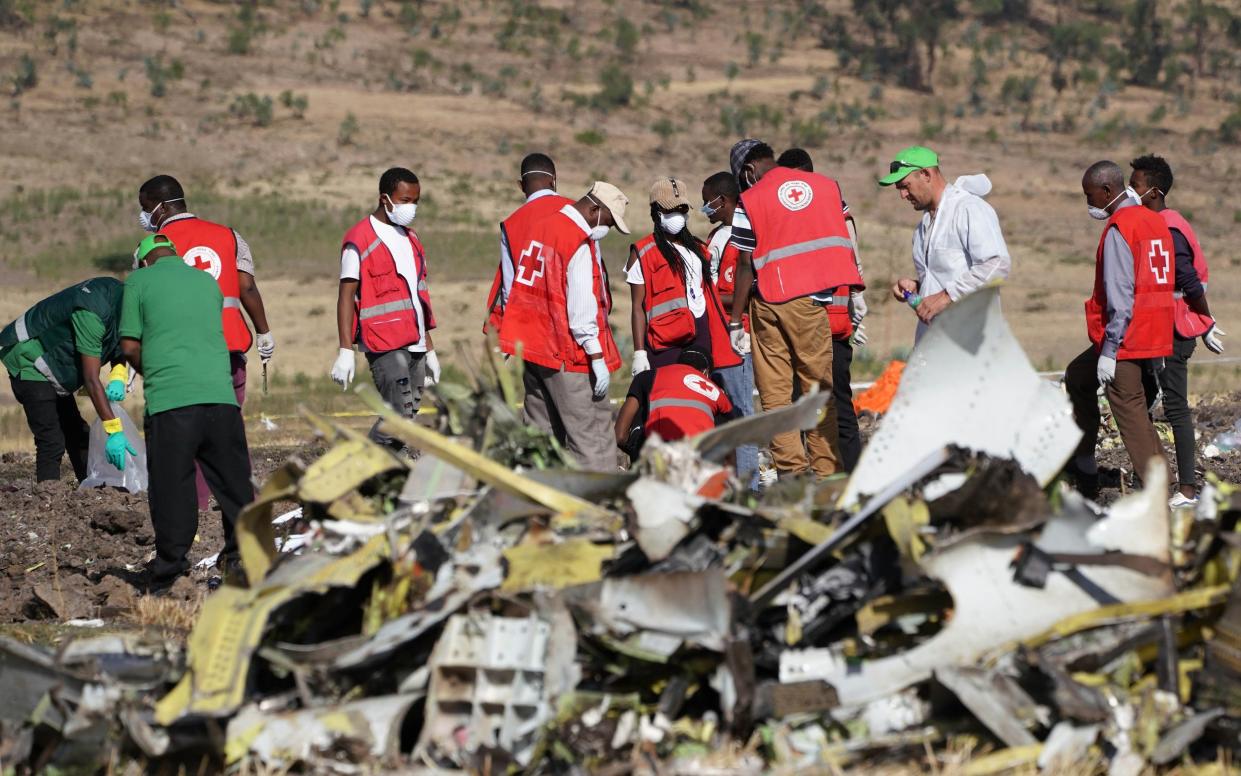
[878,397]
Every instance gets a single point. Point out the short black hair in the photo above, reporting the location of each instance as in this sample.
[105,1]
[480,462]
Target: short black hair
[723,184]
[759,151]
[394,175]
[162,188]
[696,358]
[1157,171]
[797,159]
[538,162]
[1105,173]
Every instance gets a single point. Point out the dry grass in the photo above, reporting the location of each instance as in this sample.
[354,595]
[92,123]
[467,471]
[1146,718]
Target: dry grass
[165,613]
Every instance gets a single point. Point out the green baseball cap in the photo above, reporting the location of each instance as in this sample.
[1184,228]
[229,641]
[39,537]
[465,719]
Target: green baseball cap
[908,160]
[150,243]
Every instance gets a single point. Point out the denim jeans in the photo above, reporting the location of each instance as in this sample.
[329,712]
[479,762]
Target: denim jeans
[738,383]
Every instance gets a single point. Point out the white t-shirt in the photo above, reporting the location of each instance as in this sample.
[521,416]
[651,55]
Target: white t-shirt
[715,249]
[396,241]
[693,280]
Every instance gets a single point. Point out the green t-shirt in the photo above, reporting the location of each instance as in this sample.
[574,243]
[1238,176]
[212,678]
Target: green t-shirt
[87,339]
[174,309]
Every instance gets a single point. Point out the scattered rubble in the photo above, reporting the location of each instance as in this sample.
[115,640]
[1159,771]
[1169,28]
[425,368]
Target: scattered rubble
[484,608]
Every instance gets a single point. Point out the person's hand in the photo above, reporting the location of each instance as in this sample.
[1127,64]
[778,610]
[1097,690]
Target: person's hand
[266,345]
[116,447]
[858,306]
[640,363]
[932,306]
[600,370]
[739,338]
[859,336]
[903,285]
[1212,341]
[342,370]
[115,390]
[1106,370]
[433,369]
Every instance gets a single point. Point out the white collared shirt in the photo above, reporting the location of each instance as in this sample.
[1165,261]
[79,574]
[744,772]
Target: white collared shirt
[580,300]
[396,240]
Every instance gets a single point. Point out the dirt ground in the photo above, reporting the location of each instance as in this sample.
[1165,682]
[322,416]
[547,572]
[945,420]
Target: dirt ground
[67,554]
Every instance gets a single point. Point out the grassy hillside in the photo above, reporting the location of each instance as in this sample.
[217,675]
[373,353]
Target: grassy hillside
[279,115]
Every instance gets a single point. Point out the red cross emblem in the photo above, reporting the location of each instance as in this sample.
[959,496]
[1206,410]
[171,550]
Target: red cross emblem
[530,264]
[1161,269]
[795,195]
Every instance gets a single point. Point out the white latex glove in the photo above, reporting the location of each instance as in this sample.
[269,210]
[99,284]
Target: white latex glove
[640,363]
[602,378]
[740,340]
[859,307]
[433,369]
[859,336]
[1212,341]
[342,370]
[1106,370]
[266,345]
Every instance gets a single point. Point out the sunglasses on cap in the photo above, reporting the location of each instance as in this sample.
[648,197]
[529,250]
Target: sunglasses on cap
[897,164]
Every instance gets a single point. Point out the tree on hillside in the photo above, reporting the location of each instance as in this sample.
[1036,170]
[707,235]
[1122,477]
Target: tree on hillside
[1146,42]
[906,37]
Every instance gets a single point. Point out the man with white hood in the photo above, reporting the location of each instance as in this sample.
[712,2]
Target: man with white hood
[958,247]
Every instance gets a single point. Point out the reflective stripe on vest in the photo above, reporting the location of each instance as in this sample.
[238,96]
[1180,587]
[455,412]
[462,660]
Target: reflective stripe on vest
[798,249]
[41,364]
[666,307]
[387,307]
[23,333]
[233,302]
[685,403]
[643,251]
[370,249]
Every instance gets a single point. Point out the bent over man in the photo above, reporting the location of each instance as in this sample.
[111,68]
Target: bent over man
[1128,320]
[384,304]
[51,351]
[556,320]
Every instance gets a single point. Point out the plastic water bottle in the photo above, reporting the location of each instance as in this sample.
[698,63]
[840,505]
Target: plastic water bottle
[1229,440]
[913,299]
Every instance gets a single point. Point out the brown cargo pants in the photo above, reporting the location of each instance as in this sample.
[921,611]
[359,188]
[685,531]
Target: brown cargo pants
[795,339]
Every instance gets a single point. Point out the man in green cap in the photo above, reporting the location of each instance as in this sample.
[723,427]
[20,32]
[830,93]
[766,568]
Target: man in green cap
[958,246]
[171,332]
[52,350]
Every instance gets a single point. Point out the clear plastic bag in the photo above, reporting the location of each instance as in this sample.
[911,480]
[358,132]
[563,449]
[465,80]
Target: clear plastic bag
[100,473]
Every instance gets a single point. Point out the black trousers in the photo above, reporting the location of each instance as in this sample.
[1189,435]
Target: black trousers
[1174,379]
[214,436]
[850,439]
[57,426]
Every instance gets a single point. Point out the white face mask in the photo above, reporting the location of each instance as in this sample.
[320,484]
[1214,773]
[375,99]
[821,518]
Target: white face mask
[672,223]
[599,231]
[1100,213]
[147,220]
[403,214]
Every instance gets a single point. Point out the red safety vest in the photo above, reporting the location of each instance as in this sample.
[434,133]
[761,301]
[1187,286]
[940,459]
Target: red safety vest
[669,323]
[1189,324]
[1154,268]
[803,244]
[384,318]
[683,403]
[727,276]
[514,228]
[213,249]
[536,319]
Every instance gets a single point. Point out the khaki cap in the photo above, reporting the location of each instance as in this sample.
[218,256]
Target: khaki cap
[614,200]
[670,193]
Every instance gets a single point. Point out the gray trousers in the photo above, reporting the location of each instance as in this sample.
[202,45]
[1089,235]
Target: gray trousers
[563,404]
[398,376]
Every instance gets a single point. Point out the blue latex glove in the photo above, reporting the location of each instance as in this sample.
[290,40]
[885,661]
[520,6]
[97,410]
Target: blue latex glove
[115,390]
[116,447]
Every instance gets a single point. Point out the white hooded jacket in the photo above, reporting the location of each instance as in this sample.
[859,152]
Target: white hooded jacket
[962,248]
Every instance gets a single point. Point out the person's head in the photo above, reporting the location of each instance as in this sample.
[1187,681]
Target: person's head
[1151,179]
[750,160]
[719,197]
[603,207]
[538,172]
[696,358]
[153,247]
[399,192]
[1104,187]
[160,198]
[796,159]
[669,206]
[915,173]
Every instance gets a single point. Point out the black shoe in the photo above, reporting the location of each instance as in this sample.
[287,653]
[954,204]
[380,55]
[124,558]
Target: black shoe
[1083,483]
[230,572]
[148,584]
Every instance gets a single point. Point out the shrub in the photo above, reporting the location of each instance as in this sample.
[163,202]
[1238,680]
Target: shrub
[27,75]
[250,107]
[1230,128]
[615,88]
[627,37]
[348,130]
[590,137]
[298,103]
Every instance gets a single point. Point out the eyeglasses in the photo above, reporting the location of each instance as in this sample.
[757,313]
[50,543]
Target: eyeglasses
[897,164]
